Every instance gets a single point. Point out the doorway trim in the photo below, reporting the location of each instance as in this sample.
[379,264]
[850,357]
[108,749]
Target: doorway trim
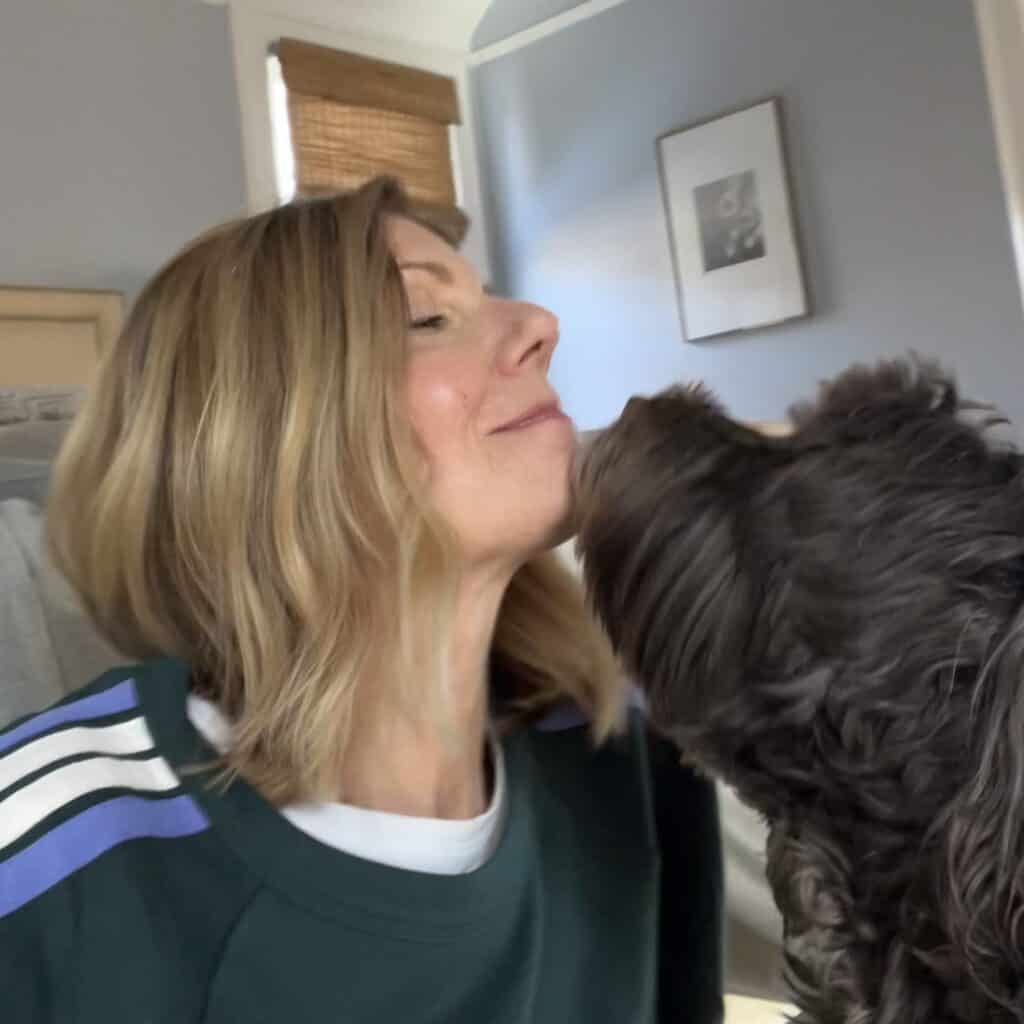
[1001,33]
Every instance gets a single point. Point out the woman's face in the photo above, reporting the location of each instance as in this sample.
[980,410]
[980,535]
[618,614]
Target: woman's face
[498,447]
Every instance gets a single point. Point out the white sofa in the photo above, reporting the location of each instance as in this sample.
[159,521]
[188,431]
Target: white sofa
[48,647]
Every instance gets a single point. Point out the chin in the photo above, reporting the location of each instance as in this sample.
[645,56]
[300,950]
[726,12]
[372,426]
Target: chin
[563,529]
[545,537]
[519,536]
[551,516]
[832,623]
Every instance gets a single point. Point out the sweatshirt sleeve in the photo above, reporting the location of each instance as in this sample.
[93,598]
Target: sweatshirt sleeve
[44,839]
[35,960]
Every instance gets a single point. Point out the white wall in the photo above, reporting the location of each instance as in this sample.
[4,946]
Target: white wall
[502,20]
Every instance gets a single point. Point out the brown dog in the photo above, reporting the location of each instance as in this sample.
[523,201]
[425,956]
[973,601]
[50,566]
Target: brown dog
[832,622]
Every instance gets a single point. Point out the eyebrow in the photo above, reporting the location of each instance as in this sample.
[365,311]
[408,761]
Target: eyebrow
[439,270]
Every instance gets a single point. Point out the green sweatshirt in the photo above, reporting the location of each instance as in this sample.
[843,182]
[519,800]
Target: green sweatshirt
[132,892]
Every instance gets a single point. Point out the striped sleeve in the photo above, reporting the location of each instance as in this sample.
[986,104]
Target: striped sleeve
[76,781]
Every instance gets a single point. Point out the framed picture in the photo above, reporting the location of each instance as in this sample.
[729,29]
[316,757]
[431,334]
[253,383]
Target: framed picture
[734,246]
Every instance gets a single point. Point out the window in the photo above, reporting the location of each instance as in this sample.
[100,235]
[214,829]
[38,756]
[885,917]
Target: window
[342,118]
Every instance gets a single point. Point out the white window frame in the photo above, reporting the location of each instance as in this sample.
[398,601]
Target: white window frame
[253,31]
[1001,32]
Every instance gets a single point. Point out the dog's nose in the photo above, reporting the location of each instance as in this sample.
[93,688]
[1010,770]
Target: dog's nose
[584,442]
[586,438]
[633,407]
[634,412]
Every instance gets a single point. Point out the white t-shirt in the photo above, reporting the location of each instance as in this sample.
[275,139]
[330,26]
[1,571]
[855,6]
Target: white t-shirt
[436,846]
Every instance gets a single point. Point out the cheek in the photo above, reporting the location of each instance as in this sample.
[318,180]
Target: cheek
[440,398]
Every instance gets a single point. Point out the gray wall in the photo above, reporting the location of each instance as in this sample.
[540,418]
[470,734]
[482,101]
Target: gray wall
[893,165]
[119,134]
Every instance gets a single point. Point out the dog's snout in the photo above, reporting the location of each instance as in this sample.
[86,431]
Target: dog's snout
[633,411]
[584,442]
[634,405]
[586,438]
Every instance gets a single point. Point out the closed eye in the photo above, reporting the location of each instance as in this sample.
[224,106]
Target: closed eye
[436,322]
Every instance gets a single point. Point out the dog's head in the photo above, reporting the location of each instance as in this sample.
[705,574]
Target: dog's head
[785,599]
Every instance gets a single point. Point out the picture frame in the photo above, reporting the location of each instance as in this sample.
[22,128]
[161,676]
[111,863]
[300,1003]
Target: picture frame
[732,232]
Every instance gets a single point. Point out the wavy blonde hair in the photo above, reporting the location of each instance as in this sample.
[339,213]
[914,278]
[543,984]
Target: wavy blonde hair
[241,490]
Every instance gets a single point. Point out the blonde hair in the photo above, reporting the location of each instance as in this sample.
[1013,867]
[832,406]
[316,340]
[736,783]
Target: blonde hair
[240,490]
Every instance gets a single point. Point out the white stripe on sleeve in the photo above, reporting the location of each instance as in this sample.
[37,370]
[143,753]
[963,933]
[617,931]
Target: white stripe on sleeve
[27,807]
[131,737]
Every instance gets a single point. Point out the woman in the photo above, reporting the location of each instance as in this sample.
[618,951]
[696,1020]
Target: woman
[314,491]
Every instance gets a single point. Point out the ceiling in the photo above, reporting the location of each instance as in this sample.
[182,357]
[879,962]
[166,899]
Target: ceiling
[448,24]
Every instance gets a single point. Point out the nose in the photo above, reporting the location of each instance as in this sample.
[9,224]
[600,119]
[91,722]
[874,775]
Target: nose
[532,337]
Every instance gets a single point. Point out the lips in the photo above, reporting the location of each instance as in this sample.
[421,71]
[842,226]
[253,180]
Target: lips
[538,414]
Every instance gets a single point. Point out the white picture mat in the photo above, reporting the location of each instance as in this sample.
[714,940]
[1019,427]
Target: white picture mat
[755,292]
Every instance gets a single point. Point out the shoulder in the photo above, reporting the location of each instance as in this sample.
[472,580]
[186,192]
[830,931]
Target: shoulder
[607,785]
[77,781]
[637,776]
[636,791]
[85,703]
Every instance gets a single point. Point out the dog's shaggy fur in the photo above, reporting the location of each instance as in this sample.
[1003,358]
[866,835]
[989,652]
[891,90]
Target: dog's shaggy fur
[832,622]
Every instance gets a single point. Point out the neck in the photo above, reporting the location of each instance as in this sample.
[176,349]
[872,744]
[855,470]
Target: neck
[411,764]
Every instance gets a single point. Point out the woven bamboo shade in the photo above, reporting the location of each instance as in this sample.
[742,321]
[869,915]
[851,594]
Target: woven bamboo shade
[353,118]
[342,146]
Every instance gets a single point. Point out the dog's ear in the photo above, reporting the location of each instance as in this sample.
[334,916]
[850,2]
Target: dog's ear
[871,401]
[982,835]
